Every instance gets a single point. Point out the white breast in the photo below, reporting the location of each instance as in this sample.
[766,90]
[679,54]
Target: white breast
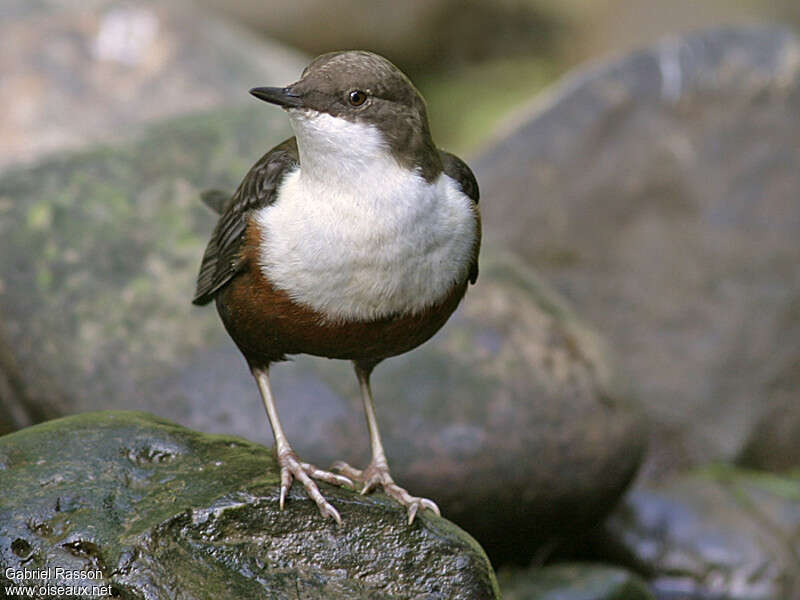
[366,241]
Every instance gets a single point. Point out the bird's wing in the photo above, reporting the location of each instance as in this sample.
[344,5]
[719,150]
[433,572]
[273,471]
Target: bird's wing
[457,169]
[223,258]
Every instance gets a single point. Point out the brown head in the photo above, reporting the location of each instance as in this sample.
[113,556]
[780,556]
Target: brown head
[362,88]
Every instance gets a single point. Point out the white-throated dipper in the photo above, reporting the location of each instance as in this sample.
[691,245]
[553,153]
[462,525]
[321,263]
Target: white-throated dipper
[355,239]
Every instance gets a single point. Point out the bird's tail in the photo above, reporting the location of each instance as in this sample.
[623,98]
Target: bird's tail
[215,199]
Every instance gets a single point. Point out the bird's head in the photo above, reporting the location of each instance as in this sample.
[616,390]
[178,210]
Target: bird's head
[350,108]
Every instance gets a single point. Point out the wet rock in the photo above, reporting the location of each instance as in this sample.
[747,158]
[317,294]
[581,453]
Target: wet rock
[720,533]
[153,510]
[511,418]
[658,193]
[79,73]
[573,582]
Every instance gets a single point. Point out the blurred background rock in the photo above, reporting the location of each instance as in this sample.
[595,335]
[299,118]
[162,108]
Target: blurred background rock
[656,189]
[474,60]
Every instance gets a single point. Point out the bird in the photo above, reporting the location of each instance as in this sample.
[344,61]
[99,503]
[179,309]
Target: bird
[355,239]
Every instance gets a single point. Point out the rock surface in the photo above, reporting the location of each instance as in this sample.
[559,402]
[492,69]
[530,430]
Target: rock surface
[99,255]
[774,443]
[77,73]
[164,512]
[573,582]
[718,533]
[659,194]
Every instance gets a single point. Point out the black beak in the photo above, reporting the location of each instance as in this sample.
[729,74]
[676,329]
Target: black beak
[280,96]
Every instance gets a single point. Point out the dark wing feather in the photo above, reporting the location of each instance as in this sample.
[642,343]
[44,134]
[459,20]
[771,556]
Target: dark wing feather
[223,258]
[457,169]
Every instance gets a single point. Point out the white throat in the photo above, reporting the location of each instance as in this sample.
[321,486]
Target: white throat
[356,236]
[336,150]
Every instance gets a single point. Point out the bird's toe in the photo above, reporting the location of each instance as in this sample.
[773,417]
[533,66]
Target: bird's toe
[377,475]
[351,473]
[292,468]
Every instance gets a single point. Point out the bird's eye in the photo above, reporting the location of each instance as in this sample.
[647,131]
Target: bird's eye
[357,97]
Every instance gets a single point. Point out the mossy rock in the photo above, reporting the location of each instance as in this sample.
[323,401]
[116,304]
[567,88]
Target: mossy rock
[161,511]
[98,255]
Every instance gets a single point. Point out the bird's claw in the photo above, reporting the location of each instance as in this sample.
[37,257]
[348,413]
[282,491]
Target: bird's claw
[378,475]
[292,468]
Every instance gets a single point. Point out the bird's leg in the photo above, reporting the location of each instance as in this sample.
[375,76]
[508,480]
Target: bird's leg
[377,472]
[291,467]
